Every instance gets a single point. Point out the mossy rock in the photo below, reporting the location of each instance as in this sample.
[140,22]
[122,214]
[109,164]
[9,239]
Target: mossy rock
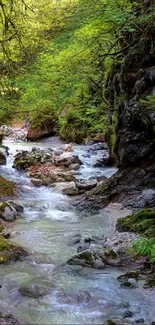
[149,283]
[9,252]
[6,188]
[111,254]
[141,223]
[1,228]
[129,275]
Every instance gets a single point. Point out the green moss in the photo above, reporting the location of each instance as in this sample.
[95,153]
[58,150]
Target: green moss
[111,322]
[129,275]
[149,283]
[6,188]
[1,228]
[9,252]
[3,205]
[141,223]
[4,244]
[111,254]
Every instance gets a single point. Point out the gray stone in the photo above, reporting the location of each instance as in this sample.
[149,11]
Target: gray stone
[36,181]
[86,185]
[34,290]
[97,257]
[9,210]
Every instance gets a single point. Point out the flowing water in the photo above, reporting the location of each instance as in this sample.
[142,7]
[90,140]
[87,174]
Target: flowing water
[77,295]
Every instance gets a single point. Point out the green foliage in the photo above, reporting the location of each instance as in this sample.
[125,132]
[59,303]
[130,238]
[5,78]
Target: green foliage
[142,222]
[61,54]
[149,102]
[145,247]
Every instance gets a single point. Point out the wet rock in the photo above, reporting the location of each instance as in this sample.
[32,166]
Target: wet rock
[67,147]
[98,146]
[118,321]
[66,159]
[74,298]
[86,185]
[129,275]
[18,207]
[140,321]
[74,239]
[34,289]
[83,246]
[67,188]
[74,166]
[97,257]
[149,283]
[9,210]
[36,181]
[128,314]
[87,241]
[26,159]
[48,180]
[10,252]
[2,158]
[87,258]
[66,176]
[10,320]
[58,152]
[130,284]
[5,232]
[124,304]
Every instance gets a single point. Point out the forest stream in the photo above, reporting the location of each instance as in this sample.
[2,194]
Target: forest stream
[77,295]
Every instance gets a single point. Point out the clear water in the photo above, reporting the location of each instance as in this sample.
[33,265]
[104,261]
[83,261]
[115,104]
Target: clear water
[45,229]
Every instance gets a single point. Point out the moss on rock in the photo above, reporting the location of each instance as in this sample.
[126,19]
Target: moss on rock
[6,188]
[9,252]
[141,223]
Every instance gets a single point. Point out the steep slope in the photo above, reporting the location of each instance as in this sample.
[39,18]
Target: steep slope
[131,91]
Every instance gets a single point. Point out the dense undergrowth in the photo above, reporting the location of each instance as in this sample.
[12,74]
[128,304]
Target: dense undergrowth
[64,66]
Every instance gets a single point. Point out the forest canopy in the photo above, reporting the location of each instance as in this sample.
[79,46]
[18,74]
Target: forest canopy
[56,58]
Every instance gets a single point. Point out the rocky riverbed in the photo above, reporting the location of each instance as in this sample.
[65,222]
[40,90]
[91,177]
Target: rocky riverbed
[72,272]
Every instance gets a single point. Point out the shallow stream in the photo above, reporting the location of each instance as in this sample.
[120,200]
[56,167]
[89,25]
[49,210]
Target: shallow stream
[77,295]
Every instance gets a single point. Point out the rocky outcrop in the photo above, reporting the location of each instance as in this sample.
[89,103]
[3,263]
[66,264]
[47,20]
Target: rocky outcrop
[46,128]
[129,84]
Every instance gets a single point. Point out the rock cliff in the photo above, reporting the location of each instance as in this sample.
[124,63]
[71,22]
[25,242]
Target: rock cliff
[131,91]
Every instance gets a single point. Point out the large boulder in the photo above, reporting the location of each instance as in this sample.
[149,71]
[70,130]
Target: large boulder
[67,188]
[46,128]
[26,159]
[96,257]
[34,289]
[10,210]
[66,159]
